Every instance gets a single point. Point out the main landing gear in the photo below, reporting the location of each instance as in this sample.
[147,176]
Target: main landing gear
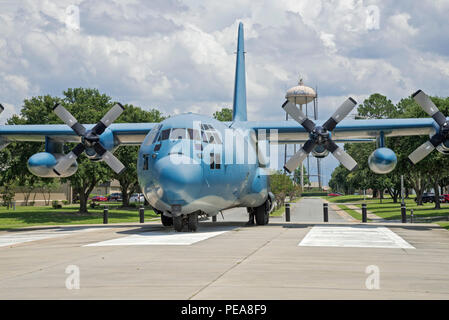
[260,213]
[189,220]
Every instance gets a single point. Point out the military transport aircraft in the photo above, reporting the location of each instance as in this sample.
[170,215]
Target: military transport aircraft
[191,165]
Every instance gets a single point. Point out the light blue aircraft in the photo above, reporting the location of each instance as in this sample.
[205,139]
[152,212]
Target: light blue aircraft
[192,165]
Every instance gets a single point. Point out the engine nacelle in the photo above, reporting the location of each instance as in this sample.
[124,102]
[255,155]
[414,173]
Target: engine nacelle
[320,152]
[382,160]
[41,164]
[444,147]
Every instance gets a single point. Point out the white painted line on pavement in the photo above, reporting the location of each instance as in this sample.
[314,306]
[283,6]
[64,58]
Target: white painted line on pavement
[169,237]
[354,236]
[16,237]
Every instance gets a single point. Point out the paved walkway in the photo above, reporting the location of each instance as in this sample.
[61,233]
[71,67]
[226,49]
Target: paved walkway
[305,210]
[311,210]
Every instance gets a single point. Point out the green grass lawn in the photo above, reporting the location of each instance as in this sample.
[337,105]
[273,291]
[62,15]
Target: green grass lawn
[444,225]
[34,216]
[280,212]
[355,214]
[392,211]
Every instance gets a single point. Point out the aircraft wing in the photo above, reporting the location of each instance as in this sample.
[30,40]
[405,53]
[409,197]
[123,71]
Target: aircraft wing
[349,130]
[124,133]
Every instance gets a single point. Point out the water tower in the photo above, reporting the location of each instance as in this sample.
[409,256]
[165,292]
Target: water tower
[302,95]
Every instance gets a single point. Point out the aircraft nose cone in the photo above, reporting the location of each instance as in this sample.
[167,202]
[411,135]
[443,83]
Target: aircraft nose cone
[179,176]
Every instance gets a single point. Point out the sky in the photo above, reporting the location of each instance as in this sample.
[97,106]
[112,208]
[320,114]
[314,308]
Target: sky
[178,55]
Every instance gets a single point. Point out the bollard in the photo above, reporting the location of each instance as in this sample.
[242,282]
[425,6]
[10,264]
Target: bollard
[287,212]
[214,218]
[142,214]
[105,215]
[326,212]
[411,216]
[403,213]
[364,214]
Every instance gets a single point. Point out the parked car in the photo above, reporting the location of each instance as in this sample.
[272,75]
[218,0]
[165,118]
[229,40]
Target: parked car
[116,196]
[427,197]
[99,198]
[137,197]
[444,198]
[334,194]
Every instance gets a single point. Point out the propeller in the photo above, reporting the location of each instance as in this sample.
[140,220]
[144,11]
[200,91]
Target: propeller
[2,108]
[89,138]
[320,135]
[427,147]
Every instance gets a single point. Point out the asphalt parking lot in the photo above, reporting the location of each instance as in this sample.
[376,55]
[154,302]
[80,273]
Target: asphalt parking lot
[226,260]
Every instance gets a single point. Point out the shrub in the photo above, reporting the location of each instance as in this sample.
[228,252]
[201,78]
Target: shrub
[56,205]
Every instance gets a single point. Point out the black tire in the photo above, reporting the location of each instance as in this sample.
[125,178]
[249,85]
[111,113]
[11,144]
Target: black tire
[178,223]
[192,221]
[166,221]
[262,214]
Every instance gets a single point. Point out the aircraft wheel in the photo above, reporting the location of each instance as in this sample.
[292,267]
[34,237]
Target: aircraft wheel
[178,223]
[262,214]
[166,221]
[193,221]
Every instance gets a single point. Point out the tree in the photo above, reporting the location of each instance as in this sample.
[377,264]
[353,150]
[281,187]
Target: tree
[225,114]
[46,187]
[281,185]
[377,106]
[297,176]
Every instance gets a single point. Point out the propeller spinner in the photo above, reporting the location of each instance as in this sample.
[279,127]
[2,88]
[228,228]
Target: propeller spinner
[320,135]
[427,147]
[89,138]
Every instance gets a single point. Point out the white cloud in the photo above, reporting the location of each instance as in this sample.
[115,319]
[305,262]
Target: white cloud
[178,55]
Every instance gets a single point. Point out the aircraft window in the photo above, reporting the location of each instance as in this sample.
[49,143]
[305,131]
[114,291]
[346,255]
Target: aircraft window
[217,161]
[178,134]
[152,135]
[165,134]
[211,137]
[193,134]
[145,162]
[217,138]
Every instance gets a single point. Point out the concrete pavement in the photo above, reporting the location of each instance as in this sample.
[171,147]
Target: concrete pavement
[260,262]
[307,209]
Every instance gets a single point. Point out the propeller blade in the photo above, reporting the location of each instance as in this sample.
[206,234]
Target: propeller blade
[298,115]
[113,162]
[340,114]
[295,160]
[421,152]
[428,106]
[65,162]
[299,156]
[108,118]
[69,120]
[109,158]
[341,155]
[1,108]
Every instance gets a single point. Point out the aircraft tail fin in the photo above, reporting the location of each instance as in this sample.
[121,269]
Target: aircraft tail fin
[239,103]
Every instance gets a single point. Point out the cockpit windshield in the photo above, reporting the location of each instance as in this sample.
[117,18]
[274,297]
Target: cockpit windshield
[208,134]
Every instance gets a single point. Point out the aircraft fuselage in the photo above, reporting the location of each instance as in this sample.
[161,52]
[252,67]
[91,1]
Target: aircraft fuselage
[193,163]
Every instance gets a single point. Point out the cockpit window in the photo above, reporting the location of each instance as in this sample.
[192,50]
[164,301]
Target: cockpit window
[165,134]
[208,134]
[193,134]
[152,135]
[178,134]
